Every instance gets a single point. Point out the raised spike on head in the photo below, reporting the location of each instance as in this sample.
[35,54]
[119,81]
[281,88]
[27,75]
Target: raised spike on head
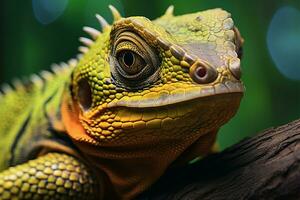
[6,88]
[36,80]
[102,22]
[94,33]
[83,49]
[63,65]
[72,62]
[46,75]
[17,83]
[79,56]
[116,14]
[86,41]
[56,68]
[170,10]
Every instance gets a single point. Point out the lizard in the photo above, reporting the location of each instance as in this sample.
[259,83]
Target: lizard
[143,96]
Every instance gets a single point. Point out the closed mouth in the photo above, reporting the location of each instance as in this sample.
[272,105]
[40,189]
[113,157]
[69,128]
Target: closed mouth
[190,94]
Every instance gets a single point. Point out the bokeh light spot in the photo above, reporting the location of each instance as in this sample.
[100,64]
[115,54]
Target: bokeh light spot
[47,11]
[283,40]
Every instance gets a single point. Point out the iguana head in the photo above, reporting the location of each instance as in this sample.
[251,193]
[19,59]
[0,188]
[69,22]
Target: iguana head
[142,80]
[146,94]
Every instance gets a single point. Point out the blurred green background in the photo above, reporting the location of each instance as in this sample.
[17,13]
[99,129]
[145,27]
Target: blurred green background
[37,33]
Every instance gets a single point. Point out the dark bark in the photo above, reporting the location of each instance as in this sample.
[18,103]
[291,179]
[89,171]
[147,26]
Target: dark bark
[266,166]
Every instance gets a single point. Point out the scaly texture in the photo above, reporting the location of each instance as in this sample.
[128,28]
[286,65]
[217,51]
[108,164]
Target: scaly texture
[143,96]
[149,92]
[53,176]
[265,166]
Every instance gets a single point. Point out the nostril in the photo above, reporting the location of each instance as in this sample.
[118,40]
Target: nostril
[202,73]
[234,66]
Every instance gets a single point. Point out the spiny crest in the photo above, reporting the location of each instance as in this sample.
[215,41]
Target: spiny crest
[83,49]
[57,69]
[38,80]
[16,85]
[46,75]
[72,62]
[116,14]
[94,33]
[63,67]
[79,56]
[86,41]
[6,88]
[169,11]
[104,24]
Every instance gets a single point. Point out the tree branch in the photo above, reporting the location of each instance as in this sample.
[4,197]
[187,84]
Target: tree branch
[266,166]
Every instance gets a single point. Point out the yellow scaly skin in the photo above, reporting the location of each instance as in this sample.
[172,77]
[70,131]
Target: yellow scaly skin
[54,176]
[144,95]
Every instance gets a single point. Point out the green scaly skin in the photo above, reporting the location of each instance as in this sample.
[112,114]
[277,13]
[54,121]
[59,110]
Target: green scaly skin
[143,92]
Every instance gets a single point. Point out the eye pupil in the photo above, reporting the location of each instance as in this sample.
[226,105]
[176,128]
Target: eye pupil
[128,59]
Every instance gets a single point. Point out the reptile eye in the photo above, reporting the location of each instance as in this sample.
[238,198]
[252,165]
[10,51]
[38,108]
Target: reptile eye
[130,62]
[134,61]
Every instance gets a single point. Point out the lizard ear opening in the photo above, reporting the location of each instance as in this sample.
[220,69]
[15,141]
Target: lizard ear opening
[84,94]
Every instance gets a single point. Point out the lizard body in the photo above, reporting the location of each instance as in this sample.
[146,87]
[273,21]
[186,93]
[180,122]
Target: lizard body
[144,96]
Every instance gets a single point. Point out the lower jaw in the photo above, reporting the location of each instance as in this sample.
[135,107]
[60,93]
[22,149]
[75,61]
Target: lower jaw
[198,116]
